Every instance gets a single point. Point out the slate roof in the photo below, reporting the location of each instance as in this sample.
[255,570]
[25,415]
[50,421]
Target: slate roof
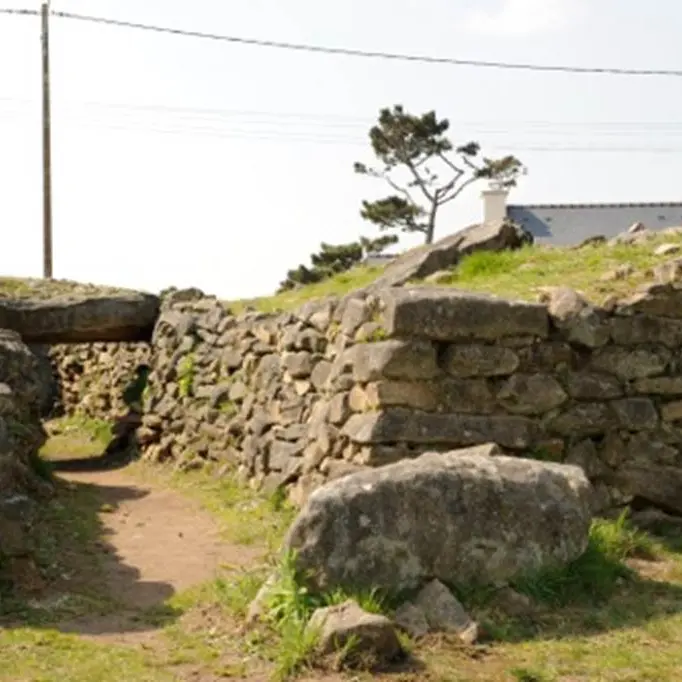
[572,223]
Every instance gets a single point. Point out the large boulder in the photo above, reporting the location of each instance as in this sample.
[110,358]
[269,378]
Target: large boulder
[457,517]
[422,261]
[120,317]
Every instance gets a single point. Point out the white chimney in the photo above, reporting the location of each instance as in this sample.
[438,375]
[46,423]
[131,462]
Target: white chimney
[494,203]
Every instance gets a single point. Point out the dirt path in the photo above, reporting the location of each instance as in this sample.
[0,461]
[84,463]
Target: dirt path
[155,544]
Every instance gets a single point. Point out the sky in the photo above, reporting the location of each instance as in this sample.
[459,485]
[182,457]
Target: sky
[189,162]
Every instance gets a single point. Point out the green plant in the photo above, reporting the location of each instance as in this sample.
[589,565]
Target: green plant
[372,601]
[377,334]
[542,454]
[228,408]
[41,467]
[288,606]
[186,375]
[334,260]
[278,501]
[594,576]
[288,599]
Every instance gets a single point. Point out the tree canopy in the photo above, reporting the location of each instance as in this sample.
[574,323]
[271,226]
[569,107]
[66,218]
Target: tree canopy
[333,259]
[435,172]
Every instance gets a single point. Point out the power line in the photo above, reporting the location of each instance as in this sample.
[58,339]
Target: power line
[323,139]
[351,52]
[351,123]
[20,12]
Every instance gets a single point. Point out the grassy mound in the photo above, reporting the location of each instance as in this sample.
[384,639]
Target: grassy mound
[597,271]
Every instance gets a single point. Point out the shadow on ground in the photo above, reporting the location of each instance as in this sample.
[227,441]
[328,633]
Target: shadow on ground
[107,461]
[652,592]
[86,587]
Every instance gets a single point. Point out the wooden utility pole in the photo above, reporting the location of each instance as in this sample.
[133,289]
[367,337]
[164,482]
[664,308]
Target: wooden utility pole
[47,142]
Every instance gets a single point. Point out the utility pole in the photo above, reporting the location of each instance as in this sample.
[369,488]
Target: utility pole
[47,142]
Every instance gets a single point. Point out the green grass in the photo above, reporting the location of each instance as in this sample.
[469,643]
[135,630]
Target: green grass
[519,274]
[511,274]
[516,274]
[594,577]
[23,288]
[290,300]
[614,615]
[76,438]
[30,654]
[65,533]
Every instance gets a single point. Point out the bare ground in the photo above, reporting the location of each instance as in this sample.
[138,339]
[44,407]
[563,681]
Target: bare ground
[157,545]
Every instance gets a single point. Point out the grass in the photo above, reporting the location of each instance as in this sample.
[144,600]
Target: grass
[519,274]
[76,437]
[614,615]
[516,274]
[511,274]
[64,535]
[290,300]
[22,287]
[246,518]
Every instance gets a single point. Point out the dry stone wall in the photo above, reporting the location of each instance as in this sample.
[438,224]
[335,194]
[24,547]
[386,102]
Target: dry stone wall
[237,390]
[561,380]
[93,380]
[297,399]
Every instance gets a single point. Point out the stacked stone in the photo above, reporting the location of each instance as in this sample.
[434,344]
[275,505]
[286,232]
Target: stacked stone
[91,379]
[301,398]
[236,389]
[565,381]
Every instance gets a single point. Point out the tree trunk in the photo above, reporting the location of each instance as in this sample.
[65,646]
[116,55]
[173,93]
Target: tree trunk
[431,225]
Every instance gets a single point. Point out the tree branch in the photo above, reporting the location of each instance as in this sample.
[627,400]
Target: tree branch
[458,191]
[455,169]
[413,169]
[385,176]
[420,181]
[403,190]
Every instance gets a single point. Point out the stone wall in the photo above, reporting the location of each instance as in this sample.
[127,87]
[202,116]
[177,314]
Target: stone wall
[561,380]
[300,398]
[93,380]
[21,437]
[237,390]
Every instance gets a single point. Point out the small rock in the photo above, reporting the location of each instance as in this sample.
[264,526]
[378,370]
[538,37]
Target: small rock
[667,249]
[655,520]
[444,613]
[575,317]
[621,272]
[512,603]
[636,227]
[670,271]
[596,240]
[257,608]
[438,277]
[411,619]
[373,637]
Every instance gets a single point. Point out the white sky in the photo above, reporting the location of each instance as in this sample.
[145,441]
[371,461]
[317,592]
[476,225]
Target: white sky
[149,197]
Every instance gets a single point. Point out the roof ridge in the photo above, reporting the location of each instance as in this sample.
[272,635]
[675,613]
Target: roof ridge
[650,204]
